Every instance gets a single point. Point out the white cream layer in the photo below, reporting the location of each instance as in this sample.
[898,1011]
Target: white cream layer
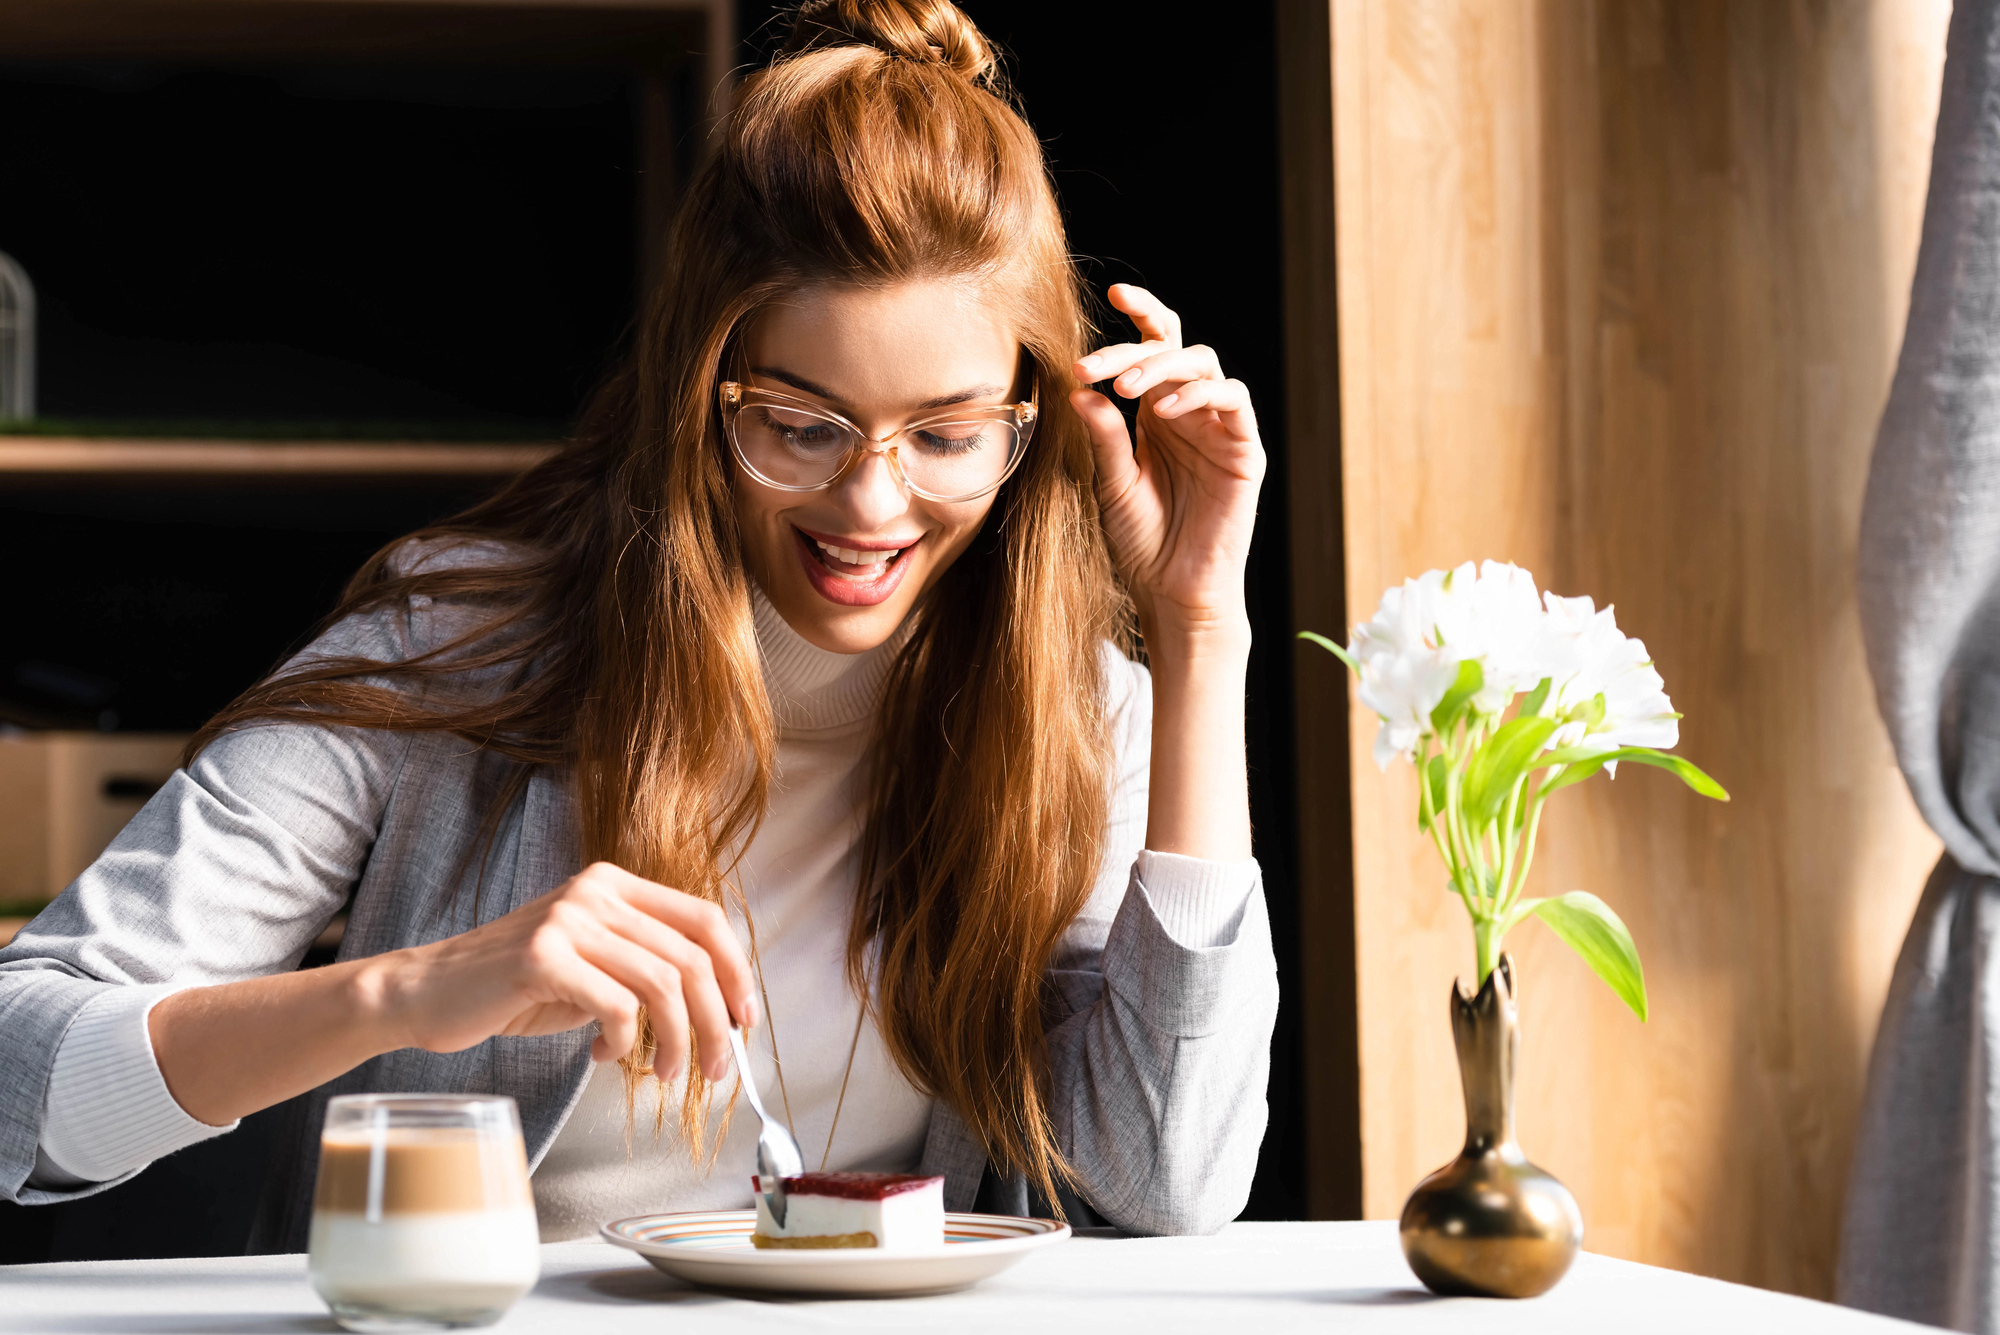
[448,1259]
[908,1221]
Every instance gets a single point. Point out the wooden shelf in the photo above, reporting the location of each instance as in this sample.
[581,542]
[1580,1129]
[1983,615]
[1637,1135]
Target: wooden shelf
[60,456]
[528,31]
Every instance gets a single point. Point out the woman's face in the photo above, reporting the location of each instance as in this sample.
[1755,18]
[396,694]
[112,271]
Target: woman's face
[882,358]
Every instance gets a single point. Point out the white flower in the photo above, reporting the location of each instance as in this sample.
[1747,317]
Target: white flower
[1409,656]
[1410,653]
[1615,667]
[1407,663]
[1511,636]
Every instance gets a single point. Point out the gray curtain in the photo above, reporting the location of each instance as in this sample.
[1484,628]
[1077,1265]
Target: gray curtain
[1921,1238]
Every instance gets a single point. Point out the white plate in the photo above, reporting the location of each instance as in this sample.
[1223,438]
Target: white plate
[712,1248]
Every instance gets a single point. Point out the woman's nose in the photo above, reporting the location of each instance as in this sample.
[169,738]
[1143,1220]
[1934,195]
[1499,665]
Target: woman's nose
[871,495]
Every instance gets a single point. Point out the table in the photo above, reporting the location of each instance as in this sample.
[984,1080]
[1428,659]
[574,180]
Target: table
[1266,1278]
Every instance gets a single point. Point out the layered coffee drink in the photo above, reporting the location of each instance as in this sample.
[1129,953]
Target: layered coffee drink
[422,1218]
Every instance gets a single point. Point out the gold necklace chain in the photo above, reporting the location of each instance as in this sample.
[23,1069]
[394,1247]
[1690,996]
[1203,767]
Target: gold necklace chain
[784,1095]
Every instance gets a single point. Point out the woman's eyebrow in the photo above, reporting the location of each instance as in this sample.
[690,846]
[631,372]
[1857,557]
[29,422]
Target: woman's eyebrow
[963,396]
[799,382]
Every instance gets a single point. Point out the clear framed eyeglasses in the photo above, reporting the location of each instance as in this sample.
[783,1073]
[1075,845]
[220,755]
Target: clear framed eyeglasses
[794,445]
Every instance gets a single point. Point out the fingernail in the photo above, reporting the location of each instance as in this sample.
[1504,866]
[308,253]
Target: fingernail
[1089,363]
[1166,403]
[751,1018]
[1130,378]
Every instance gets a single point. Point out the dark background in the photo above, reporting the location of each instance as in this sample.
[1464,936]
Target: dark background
[409,252]
[437,253]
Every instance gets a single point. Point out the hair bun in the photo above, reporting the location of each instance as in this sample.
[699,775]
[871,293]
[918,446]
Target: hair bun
[934,32]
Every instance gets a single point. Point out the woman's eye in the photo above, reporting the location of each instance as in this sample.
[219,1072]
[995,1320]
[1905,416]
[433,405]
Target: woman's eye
[800,431]
[953,438]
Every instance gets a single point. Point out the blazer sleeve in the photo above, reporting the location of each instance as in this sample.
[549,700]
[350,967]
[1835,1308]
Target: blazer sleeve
[228,872]
[1166,992]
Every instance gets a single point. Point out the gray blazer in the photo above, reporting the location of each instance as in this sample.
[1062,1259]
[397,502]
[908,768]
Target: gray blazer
[1159,1053]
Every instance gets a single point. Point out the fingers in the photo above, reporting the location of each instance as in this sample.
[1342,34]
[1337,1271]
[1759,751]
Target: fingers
[1106,426]
[654,982]
[1134,368]
[668,951]
[1169,368]
[707,926]
[1159,329]
[699,993]
[578,982]
[1225,397]
[1118,470]
[1156,321]
[698,921]
[1112,360]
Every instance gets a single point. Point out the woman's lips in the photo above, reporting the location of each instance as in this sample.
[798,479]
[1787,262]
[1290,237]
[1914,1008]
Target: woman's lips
[850,585]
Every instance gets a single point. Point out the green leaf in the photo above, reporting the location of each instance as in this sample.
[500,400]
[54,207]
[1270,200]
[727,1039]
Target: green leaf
[1582,765]
[1587,925]
[1470,678]
[1353,665]
[1438,775]
[1536,698]
[1498,765]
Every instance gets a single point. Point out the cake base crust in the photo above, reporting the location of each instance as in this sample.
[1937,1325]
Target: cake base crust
[763,1243]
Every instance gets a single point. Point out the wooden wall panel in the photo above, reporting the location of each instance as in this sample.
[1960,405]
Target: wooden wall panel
[1621,289]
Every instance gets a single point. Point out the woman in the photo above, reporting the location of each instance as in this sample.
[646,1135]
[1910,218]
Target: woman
[787,696]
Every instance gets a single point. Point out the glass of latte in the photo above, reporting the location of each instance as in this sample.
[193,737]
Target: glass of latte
[422,1219]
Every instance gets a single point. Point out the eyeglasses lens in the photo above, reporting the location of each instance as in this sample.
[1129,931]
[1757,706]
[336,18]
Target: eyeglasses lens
[801,449]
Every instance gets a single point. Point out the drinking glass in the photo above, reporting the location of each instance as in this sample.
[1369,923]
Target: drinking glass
[422,1217]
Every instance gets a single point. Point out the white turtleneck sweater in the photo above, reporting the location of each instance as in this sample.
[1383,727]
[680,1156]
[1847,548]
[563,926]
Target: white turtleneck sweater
[798,878]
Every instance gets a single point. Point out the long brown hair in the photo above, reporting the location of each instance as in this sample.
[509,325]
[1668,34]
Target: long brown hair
[878,148]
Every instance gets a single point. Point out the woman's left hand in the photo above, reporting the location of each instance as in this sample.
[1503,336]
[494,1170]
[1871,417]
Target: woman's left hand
[1178,507]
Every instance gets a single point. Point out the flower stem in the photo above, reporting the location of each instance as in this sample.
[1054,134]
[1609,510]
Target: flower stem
[1465,856]
[1486,935]
[1527,848]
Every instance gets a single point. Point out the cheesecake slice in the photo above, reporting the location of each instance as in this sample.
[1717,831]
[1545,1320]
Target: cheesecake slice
[895,1212]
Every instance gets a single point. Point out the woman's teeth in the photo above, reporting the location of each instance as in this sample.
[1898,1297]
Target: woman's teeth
[857,558]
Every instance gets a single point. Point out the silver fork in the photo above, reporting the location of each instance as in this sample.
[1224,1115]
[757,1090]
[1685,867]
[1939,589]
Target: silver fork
[778,1154]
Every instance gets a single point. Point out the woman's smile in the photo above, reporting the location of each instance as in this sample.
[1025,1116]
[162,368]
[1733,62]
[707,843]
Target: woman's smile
[853,572]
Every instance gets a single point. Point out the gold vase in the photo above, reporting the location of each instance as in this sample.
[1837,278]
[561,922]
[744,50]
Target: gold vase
[1489,1223]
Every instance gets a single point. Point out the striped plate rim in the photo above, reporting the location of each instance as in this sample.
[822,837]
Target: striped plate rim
[724,1235]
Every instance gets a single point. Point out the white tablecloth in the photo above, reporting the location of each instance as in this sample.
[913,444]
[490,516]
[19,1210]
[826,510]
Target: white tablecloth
[1260,1278]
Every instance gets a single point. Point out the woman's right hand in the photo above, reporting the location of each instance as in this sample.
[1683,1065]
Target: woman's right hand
[598,947]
